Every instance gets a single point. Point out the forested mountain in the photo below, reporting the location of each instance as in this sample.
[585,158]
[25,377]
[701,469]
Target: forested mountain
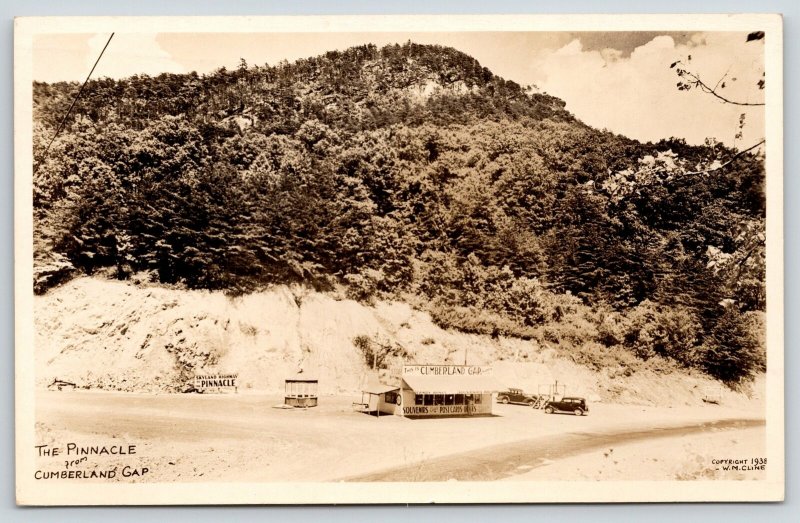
[413,172]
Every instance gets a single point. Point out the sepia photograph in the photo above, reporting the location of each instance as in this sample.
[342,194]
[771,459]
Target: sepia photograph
[399,259]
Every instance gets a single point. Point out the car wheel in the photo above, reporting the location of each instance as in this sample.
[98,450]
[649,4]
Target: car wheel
[505,401]
[549,410]
[530,403]
[578,412]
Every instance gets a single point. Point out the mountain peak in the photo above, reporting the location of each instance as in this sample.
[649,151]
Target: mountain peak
[412,74]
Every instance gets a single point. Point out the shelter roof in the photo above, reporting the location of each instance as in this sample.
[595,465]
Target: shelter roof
[379,388]
[302,377]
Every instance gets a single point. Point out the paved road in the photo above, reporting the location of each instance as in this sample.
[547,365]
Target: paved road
[501,461]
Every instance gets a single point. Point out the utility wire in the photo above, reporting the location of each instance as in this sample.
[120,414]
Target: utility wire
[80,91]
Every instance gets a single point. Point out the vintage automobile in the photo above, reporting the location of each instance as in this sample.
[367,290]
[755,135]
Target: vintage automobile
[572,405]
[516,396]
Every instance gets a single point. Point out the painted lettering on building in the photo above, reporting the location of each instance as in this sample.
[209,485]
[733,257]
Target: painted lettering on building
[445,410]
[447,370]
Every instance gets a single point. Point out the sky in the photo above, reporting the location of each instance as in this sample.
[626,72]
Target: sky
[620,81]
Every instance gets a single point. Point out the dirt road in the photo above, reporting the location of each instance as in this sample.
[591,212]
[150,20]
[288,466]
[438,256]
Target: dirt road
[503,461]
[243,438]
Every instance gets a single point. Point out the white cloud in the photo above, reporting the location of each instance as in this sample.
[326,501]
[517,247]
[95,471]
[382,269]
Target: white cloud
[637,96]
[129,54]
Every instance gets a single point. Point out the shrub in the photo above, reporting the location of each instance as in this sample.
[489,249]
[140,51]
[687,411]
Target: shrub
[363,286]
[364,344]
[376,353]
[477,321]
[598,357]
[666,331]
[247,329]
[733,351]
[524,301]
[50,271]
[611,328]
[437,274]
[755,323]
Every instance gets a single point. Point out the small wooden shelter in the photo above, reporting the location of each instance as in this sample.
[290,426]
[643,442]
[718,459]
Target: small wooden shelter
[378,399]
[301,391]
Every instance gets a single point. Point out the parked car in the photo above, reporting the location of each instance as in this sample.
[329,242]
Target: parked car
[516,396]
[572,405]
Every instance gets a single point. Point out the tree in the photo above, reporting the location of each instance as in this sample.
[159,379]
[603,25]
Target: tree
[691,80]
[406,170]
[732,352]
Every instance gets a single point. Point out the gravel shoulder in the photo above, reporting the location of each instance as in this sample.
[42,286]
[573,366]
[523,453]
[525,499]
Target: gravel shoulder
[692,455]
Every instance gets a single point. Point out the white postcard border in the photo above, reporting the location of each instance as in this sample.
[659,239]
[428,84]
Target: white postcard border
[29,492]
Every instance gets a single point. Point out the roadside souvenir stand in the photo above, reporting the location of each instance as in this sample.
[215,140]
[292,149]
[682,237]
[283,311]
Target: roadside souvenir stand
[446,390]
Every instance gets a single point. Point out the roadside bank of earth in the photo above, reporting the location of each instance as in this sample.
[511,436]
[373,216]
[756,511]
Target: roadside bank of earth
[112,335]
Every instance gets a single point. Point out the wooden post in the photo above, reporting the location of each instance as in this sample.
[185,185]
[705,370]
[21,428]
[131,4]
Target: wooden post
[402,398]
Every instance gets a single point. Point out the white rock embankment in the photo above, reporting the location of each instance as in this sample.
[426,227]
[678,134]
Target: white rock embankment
[112,335]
